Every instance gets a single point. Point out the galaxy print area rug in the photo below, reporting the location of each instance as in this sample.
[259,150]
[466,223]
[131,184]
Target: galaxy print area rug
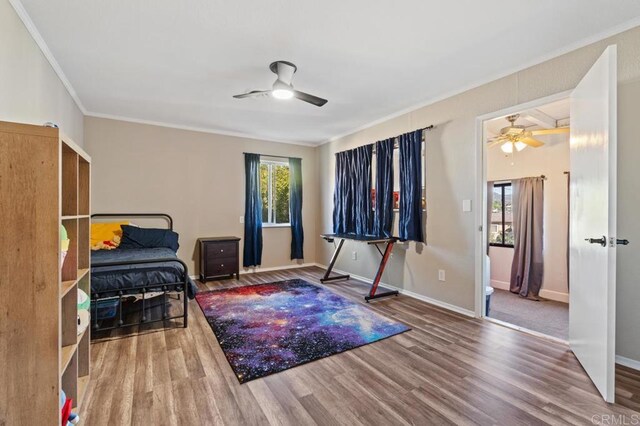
[267,328]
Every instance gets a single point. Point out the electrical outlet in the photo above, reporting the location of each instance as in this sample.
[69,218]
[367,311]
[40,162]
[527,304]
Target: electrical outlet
[354,255]
[241,219]
[441,275]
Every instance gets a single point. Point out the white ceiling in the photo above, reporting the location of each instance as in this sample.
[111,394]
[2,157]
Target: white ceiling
[554,114]
[179,62]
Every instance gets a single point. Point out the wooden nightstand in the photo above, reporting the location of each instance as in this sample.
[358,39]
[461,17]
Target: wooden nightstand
[219,257]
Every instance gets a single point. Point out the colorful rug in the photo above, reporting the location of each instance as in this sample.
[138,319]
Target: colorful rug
[267,328]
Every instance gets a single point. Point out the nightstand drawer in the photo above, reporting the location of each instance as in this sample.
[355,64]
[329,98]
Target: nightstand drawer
[226,267]
[218,250]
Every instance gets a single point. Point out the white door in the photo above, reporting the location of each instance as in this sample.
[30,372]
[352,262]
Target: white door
[592,300]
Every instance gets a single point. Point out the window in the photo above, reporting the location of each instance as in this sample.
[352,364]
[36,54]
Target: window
[274,189]
[501,229]
[396,179]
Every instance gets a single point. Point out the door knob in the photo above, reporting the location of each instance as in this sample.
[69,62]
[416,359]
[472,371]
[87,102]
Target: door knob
[602,241]
[622,242]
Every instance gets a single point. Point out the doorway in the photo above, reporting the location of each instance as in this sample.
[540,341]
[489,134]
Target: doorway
[592,219]
[527,158]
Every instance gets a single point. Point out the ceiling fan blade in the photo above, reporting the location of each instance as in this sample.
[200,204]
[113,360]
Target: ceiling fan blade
[533,143]
[253,94]
[309,98]
[497,138]
[495,142]
[550,131]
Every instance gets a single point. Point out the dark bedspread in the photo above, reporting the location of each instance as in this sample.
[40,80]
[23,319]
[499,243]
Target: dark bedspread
[108,280]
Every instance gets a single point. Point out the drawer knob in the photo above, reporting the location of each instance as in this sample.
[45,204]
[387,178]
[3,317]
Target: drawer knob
[221,250]
[222,265]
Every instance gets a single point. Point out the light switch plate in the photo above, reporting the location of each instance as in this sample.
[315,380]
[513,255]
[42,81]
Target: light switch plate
[241,219]
[466,206]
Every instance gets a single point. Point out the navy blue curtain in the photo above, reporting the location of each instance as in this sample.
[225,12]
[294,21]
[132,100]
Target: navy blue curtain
[352,194]
[252,255]
[361,180]
[383,218]
[410,223]
[342,196]
[295,207]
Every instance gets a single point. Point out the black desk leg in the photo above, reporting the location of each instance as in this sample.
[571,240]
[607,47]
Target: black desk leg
[333,261]
[376,281]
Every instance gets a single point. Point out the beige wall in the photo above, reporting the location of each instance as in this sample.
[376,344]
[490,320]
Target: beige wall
[198,178]
[450,168]
[551,160]
[30,90]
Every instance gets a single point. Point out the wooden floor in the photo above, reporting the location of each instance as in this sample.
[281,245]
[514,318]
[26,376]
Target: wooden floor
[449,369]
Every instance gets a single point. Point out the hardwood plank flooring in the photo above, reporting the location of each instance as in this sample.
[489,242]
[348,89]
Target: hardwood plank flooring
[449,369]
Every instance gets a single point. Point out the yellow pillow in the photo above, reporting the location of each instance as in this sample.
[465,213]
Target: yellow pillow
[101,232]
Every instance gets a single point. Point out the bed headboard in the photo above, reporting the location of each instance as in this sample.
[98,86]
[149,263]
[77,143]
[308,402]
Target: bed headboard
[126,215]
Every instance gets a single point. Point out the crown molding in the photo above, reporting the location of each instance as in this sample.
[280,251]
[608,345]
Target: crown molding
[626,26]
[213,131]
[44,48]
[26,19]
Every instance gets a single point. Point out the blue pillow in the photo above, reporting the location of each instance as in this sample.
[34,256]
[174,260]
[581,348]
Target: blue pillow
[134,237]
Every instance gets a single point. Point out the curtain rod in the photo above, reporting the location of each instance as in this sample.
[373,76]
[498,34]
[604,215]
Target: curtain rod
[395,144]
[429,127]
[498,182]
[275,156]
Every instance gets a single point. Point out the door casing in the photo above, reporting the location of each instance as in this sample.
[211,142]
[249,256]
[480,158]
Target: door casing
[481,189]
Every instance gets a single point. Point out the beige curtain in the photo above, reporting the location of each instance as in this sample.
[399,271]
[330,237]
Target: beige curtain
[527,267]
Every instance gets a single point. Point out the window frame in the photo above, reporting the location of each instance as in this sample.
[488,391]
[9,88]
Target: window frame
[502,187]
[270,162]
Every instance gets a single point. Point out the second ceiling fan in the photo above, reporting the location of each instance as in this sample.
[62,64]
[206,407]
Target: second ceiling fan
[517,137]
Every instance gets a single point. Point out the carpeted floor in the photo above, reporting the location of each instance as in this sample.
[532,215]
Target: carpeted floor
[267,328]
[546,316]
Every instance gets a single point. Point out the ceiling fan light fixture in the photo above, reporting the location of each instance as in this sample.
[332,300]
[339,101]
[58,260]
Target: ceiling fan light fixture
[282,90]
[520,145]
[507,147]
[282,93]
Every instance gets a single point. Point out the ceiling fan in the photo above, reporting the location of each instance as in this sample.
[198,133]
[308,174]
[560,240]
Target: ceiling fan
[517,137]
[282,87]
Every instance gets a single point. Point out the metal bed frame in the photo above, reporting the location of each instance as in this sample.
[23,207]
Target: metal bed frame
[178,287]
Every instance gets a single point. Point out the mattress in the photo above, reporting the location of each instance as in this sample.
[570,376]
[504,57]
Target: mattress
[109,280]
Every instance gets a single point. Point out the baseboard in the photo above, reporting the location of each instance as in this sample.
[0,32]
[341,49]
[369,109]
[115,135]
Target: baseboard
[411,294]
[500,285]
[272,268]
[554,295]
[628,362]
[546,294]
[275,268]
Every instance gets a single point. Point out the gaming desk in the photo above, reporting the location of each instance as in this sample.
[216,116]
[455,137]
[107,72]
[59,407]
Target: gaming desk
[371,240]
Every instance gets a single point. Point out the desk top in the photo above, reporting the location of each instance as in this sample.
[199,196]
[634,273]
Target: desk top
[371,239]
